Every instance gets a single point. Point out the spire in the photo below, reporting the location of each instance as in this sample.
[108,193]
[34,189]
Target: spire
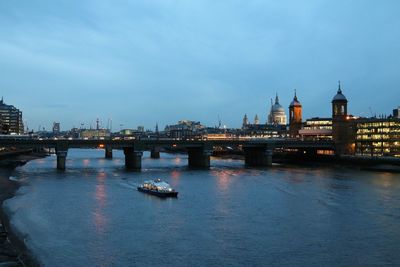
[276,99]
[339,90]
[256,120]
[295,95]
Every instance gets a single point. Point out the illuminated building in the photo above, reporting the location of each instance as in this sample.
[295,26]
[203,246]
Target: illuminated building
[316,129]
[277,114]
[95,134]
[11,118]
[396,112]
[295,117]
[184,129]
[378,137]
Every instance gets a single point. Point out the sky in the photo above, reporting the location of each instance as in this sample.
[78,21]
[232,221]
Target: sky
[159,61]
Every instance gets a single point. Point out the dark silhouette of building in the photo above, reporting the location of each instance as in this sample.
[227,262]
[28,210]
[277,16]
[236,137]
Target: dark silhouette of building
[295,117]
[56,128]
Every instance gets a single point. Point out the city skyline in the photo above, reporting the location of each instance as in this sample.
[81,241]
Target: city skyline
[159,62]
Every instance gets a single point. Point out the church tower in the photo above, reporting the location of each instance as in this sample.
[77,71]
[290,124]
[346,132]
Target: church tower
[295,117]
[245,121]
[340,122]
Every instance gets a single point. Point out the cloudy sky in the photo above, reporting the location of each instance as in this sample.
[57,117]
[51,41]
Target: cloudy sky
[142,62]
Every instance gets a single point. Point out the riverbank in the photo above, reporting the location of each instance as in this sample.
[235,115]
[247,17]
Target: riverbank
[13,251]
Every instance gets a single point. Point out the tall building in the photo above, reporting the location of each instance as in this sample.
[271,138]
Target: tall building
[277,114]
[11,118]
[396,112]
[343,127]
[56,128]
[295,117]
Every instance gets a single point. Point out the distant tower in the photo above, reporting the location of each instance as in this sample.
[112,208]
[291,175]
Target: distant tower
[295,117]
[157,128]
[97,124]
[340,123]
[256,120]
[245,121]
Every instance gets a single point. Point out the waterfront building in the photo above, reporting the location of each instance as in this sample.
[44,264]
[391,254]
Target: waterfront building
[316,129]
[277,114]
[95,134]
[295,117]
[378,137]
[11,118]
[184,129]
[263,131]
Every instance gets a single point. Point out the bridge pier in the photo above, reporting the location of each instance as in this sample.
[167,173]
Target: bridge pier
[61,159]
[133,159]
[199,157]
[155,153]
[258,156]
[108,153]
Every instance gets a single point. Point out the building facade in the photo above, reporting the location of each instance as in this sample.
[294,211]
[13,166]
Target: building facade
[316,129]
[11,119]
[378,137]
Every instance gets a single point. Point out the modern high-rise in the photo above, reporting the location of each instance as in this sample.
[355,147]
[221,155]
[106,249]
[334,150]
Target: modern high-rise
[11,119]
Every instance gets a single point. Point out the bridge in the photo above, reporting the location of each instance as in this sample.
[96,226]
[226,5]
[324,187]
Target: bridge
[257,152]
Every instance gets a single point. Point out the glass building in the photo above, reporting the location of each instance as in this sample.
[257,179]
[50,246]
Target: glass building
[11,119]
[378,137]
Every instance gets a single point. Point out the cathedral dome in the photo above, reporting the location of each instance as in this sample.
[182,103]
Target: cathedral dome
[277,114]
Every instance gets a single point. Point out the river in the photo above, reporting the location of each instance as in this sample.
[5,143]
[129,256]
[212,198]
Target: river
[92,214]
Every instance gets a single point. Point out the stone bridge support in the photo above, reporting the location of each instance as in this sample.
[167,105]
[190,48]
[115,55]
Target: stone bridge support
[133,158]
[155,153]
[61,159]
[199,157]
[61,152]
[258,156]
[108,153]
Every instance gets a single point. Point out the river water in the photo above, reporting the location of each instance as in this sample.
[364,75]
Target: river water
[92,214]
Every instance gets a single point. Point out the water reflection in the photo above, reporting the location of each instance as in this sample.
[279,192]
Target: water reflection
[101,198]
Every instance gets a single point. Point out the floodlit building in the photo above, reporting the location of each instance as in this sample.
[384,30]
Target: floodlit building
[378,137]
[316,129]
[277,114]
[11,118]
